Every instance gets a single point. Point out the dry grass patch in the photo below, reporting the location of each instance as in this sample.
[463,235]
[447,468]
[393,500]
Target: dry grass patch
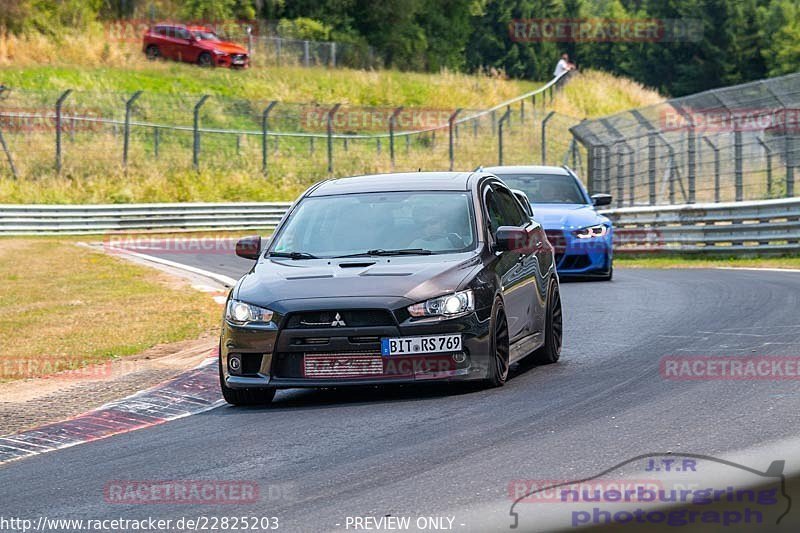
[65,306]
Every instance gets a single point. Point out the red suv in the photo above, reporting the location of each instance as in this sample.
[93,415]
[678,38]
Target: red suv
[193,44]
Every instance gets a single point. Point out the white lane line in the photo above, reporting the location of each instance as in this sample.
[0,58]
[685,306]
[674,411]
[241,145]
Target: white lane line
[765,269]
[225,280]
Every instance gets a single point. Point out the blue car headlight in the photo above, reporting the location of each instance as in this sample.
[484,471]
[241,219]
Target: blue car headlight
[592,232]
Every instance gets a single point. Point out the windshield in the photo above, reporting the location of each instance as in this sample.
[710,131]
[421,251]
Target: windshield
[202,35]
[546,188]
[333,226]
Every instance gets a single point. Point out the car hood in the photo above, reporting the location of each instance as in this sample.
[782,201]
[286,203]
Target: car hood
[567,216]
[414,278]
[223,46]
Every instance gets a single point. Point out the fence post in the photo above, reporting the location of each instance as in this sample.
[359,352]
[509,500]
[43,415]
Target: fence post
[500,124]
[620,179]
[691,147]
[5,146]
[332,112]
[156,135]
[651,166]
[789,166]
[544,136]
[59,104]
[127,131]
[196,130]
[264,137]
[333,55]
[306,58]
[768,153]
[737,156]
[278,43]
[451,129]
[392,125]
[716,167]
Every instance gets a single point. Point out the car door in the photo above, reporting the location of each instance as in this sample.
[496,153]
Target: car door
[185,49]
[502,209]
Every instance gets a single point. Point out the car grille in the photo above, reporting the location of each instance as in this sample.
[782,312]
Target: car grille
[238,57]
[347,318]
[575,262]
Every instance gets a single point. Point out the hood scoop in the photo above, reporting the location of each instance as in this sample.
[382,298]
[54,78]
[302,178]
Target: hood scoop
[357,265]
[309,276]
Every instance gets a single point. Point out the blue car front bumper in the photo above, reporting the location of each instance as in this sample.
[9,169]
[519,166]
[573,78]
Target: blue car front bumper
[580,257]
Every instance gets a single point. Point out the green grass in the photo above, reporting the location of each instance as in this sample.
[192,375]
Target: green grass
[287,84]
[691,261]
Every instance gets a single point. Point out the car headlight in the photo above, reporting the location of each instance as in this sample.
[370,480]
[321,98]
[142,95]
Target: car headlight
[600,230]
[450,305]
[219,52]
[241,313]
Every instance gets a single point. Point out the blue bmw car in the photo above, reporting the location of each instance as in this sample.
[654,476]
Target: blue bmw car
[580,236]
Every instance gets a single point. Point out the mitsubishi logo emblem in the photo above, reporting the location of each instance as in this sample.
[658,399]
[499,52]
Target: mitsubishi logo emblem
[337,321]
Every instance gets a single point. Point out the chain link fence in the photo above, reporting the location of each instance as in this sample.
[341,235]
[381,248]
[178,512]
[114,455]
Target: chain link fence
[732,144]
[84,134]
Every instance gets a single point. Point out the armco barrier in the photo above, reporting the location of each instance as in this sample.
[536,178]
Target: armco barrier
[101,219]
[757,227]
[768,226]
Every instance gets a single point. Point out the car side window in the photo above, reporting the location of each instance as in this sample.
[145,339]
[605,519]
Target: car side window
[512,213]
[494,215]
[182,33]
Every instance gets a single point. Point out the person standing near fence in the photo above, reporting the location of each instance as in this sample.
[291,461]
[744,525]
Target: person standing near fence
[563,66]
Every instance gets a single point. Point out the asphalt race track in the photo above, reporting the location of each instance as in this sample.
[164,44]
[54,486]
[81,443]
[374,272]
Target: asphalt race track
[321,456]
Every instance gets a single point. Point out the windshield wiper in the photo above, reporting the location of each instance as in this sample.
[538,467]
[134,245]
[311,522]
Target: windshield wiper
[399,251]
[293,255]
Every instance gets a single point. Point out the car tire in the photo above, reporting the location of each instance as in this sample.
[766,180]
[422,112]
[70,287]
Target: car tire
[550,352]
[260,396]
[205,60]
[152,52]
[499,348]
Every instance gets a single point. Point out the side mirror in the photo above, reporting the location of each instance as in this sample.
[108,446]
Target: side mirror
[249,247]
[599,200]
[513,238]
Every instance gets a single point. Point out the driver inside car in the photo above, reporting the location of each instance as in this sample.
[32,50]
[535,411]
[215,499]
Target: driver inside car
[433,234]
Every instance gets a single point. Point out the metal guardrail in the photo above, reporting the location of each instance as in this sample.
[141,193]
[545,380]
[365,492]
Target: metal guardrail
[111,218]
[756,227]
[769,226]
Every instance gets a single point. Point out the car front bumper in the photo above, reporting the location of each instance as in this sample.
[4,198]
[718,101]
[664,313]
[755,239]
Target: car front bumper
[581,258]
[274,357]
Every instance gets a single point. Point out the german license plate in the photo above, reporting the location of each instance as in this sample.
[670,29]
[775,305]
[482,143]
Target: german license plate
[420,345]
